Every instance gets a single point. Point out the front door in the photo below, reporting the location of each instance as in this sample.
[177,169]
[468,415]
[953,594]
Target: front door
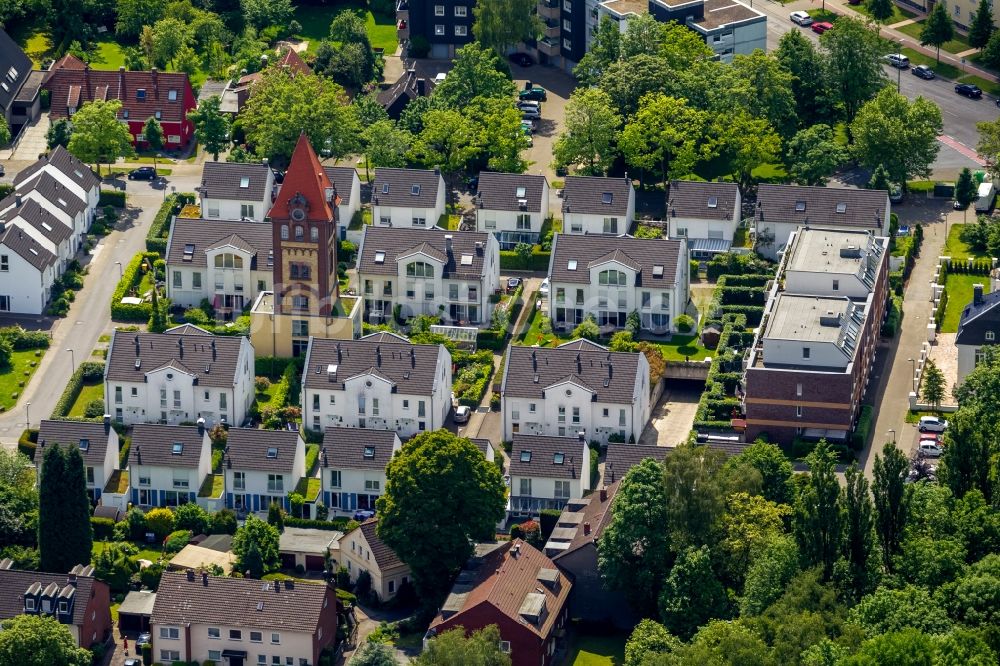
[236,661]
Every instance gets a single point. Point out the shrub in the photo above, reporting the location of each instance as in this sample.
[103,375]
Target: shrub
[684,323]
[136,521]
[338,524]
[587,329]
[195,316]
[862,429]
[114,198]
[176,540]
[94,409]
[548,519]
[103,528]
[191,518]
[223,522]
[538,260]
[160,522]
[156,238]
[22,340]
[131,277]
[27,443]
[150,576]
[87,371]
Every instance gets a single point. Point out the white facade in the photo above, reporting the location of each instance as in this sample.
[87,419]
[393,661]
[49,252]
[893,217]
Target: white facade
[406,216]
[530,493]
[225,277]
[239,209]
[512,227]
[738,38]
[612,224]
[78,223]
[90,196]
[63,249]
[162,485]
[208,642]
[348,488]
[254,490]
[350,202]
[356,556]
[24,289]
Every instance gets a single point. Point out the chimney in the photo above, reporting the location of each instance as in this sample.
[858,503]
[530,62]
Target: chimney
[339,357]
[378,355]
[447,243]
[277,586]
[604,494]
[17,200]
[413,358]
[582,435]
[180,346]
[204,578]
[152,73]
[977,294]
[201,426]
[422,87]
[121,82]
[534,360]
[515,551]
[138,455]
[586,529]
[190,575]
[107,424]
[71,577]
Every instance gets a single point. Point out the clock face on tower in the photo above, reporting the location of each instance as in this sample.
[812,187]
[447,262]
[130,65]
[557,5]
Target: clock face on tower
[298,206]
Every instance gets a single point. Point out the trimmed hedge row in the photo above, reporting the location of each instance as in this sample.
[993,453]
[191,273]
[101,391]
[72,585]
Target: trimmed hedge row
[729,264]
[87,370]
[27,443]
[339,523]
[22,340]
[512,261]
[753,313]
[156,238]
[490,339]
[131,277]
[894,316]
[865,421]
[727,361]
[114,198]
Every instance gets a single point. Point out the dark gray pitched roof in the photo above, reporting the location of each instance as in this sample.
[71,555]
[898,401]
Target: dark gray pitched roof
[26,247]
[63,160]
[221,180]
[47,224]
[14,583]
[401,183]
[410,367]
[153,444]
[540,456]
[342,179]
[641,254]
[483,445]
[204,234]
[587,194]
[346,448]
[194,354]
[396,243]
[706,201]
[247,449]
[242,602]
[620,458]
[74,433]
[15,67]
[595,368]
[819,205]
[51,190]
[976,320]
[385,557]
[500,191]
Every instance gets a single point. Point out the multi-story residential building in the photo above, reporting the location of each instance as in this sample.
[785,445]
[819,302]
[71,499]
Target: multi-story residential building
[610,278]
[71,173]
[445,24]
[728,27]
[781,209]
[961,11]
[165,96]
[361,550]
[706,214]
[353,467]
[408,198]
[28,269]
[168,463]
[977,330]
[515,587]
[576,387]
[347,185]
[811,360]
[306,300]
[512,207]
[42,226]
[227,263]
[184,374]
[241,621]
[262,467]
[380,381]
[545,472]
[19,98]
[598,205]
[429,271]
[98,444]
[76,600]
[57,200]
[236,191]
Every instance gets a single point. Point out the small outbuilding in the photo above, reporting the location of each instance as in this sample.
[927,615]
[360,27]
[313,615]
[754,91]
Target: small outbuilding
[195,558]
[134,613]
[308,548]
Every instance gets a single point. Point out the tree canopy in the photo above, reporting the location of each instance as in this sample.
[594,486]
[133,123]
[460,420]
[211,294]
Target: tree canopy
[38,640]
[98,137]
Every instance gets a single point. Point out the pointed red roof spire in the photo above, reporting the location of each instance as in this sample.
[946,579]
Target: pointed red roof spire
[305,181]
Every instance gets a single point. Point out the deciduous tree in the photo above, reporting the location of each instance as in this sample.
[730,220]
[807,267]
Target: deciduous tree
[813,154]
[648,638]
[98,136]
[501,24]
[818,520]
[771,568]
[694,486]
[989,138]
[763,87]
[692,595]
[937,29]
[746,143]
[447,142]
[374,653]
[966,192]
[810,86]
[750,523]
[257,535]
[134,14]
[59,133]
[39,640]
[385,144]
[590,132]
[152,132]
[854,63]
[898,134]
[211,126]
[972,440]
[453,647]
[891,500]
[478,72]
[265,13]
[773,466]
[169,36]
[858,530]
[880,10]
[605,49]
[666,135]
[888,609]
[933,381]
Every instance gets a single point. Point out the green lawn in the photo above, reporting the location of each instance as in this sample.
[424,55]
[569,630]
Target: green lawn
[316,25]
[898,14]
[956,45]
[683,347]
[598,650]
[954,247]
[88,394]
[144,551]
[108,55]
[988,86]
[944,69]
[819,15]
[959,288]
[13,380]
[38,47]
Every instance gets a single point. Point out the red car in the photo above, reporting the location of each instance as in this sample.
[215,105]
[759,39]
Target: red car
[821,27]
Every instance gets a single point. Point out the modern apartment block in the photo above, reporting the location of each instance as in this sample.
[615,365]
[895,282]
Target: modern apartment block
[811,361]
[445,24]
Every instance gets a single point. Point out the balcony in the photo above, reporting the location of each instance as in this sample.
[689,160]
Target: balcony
[552,30]
[549,46]
[548,9]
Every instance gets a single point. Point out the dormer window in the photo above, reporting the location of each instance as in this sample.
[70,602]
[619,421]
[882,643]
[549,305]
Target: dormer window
[244,182]
[172,95]
[713,202]
[990,336]
[414,190]
[272,452]
[140,94]
[177,448]
[63,607]
[842,208]
[800,206]
[29,604]
[466,259]
[658,270]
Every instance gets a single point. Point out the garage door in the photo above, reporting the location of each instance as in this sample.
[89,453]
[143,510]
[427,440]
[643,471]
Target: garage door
[314,563]
[287,561]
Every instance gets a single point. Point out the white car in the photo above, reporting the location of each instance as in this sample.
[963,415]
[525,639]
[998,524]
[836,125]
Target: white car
[932,424]
[543,289]
[802,18]
[462,414]
[929,449]
[530,114]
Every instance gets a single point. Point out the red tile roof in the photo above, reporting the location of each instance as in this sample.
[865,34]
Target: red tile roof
[305,177]
[72,84]
[289,59]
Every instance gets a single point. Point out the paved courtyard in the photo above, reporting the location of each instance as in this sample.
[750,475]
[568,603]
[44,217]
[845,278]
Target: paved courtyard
[673,415]
[944,353]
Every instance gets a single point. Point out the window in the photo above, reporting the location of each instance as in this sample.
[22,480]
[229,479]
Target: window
[174,138]
[284,232]
[798,390]
[611,225]
[490,224]
[334,478]
[419,269]
[562,490]
[372,485]
[614,278]
[228,260]
[300,328]
[439,30]
[461,30]
[438,10]
[567,25]
[144,480]
[576,415]
[235,635]
[215,655]
[300,234]
[180,479]
[805,352]
[177,280]
[90,470]
[256,637]
[461,10]
[177,399]
[172,95]
[300,302]
[836,285]
[170,655]
[213,632]
[118,394]
[990,336]
[523,222]
[562,414]
[314,234]
[421,409]
[526,487]
[798,411]
[158,115]
[665,301]
[531,407]
[4,263]
[419,221]
[374,406]
[140,93]
[239,481]
[621,417]
[392,587]
[453,292]
[171,633]
[196,280]
[275,483]
[246,210]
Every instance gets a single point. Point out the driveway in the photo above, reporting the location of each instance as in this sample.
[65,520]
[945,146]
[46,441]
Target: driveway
[673,416]
[558,85]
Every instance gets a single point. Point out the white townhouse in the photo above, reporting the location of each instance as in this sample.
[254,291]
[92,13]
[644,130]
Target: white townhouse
[429,271]
[27,272]
[347,185]
[71,173]
[262,467]
[353,467]
[781,209]
[236,191]
[598,205]
[184,374]
[577,387]
[56,199]
[545,472]
[228,263]
[512,207]
[168,463]
[361,550]
[98,444]
[408,198]
[241,621]
[44,228]
[380,381]
[610,278]
[706,214]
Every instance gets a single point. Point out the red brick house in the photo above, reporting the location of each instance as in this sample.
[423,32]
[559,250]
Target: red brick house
[77,600]
[166,96]
[517,588]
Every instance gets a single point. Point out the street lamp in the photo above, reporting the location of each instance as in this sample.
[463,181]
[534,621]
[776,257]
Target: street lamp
[27,414]
[72,359]
[913,373]
[899,71]
[893,435]
[119,265]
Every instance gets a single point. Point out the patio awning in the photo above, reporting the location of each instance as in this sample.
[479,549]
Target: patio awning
[824,433]
[229,654]
[716,245]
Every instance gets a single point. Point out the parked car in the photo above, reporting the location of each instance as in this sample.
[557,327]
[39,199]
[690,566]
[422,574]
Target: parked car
[144,638]
[802,18]
[462,414]
[932,424]
[526,127]
[929,449]
[536,93]
[897,60]
[543,289]
[142,173]
[133,661]
[968,90]
[362,515]
[528,104]
[513,283]
[531,114]
[895,193]
[522,59]
[923,71]
[930,437]
[821,27]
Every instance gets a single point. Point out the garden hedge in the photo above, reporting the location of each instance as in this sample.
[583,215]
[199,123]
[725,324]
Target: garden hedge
[512,261]
[114,198]
[87,370]
[131,277]
[27,443]
[338,524]
[22,340]
[103,528]
[156,238]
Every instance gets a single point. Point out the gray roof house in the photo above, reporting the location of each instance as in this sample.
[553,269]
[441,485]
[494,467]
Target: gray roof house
[512,206]
[706,214]
[978,328]
[168,463]
[98,444]
[352,466]
[408,197]
[347,184]
[17,106]
[545,472]
[236,191]
[597,205]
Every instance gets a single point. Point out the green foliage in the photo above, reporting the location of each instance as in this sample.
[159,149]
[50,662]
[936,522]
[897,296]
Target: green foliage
[587,329]
[981,27]
[648,638]
[966,190]
[64,532]
[275,516]
[937,29]
[131,278]
[684,323]
[115,566]
[478,71]
[374,653]
[891,500]
[667,136]
[590,132]
[887,610]
[136,521]
[211,126]
[538,261]
[192,518]
[853,55]
[256,544]
[59,134]
[103,528]
[771,568]
[37,640]
[971,439]
[933,384]
[501,25]
[897,134]
[114,198]
[452,647]
[223,522]
[692,595]
[98,136]
[175,541]
[813,154]
[818,520]
[438,469]
[160,521]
